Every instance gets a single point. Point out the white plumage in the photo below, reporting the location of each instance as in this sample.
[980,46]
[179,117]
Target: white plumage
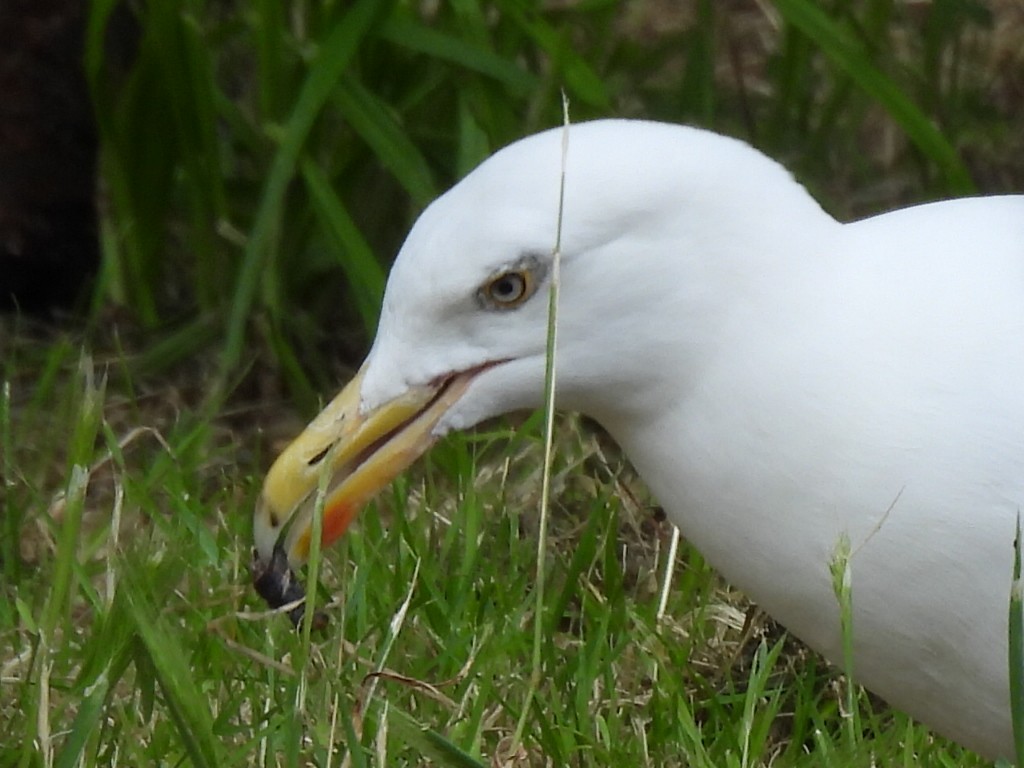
[779,380]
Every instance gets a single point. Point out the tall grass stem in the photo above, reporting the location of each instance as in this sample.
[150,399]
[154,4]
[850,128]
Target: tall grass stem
[549,433]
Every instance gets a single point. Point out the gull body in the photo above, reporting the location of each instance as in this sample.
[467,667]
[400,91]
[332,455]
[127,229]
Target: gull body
[780,380]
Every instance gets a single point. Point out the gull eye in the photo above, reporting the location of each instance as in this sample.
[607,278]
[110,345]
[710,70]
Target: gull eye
[512,284]
[508,289]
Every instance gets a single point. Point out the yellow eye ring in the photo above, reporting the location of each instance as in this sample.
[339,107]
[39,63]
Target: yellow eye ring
[508,289]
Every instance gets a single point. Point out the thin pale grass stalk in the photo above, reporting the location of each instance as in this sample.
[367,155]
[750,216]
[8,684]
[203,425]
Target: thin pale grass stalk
[244,650]
[1017,650]
[549,437]
[332,731]
[115,530]
[264,744]
[11,666]
[72,505]
[71,508]
[309,609]
[381,744]
[763,663]
[842,587]
[748,707]
[43,735]
[11,518]
[395,626]
[432,691]
[666,582]
[127,439]
[344,647]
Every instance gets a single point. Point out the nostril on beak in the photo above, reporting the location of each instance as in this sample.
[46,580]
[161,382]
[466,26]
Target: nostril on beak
[313,461]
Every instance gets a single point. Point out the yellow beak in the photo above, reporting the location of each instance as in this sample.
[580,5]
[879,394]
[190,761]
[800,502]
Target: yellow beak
[357,454]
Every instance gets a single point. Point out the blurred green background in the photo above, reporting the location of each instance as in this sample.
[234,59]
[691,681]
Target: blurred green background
[261,161]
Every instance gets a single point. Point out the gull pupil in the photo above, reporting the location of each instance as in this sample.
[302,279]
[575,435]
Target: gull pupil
[507,287]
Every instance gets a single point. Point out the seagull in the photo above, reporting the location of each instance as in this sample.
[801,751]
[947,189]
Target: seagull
[782,382]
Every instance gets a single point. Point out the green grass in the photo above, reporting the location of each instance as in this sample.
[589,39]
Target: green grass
[130,634]
[1016,648]
[250,212]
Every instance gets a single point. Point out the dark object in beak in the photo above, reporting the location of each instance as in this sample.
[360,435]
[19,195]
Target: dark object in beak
[278,584]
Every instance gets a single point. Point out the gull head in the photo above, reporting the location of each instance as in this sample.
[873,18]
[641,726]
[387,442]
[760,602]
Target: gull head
[646,239]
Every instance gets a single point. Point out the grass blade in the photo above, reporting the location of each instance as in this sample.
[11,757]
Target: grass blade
[87,426]
[336,53]
[186,705]
[842,587]
[847,53]
[89,712]
[12,512]
[377,126]
[431,745]
[417,37]
[549,432]
[365,276]
[579,77]
[1016,660]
